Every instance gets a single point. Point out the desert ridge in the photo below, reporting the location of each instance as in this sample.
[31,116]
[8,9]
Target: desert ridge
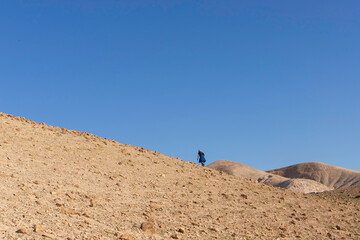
[306,177]
[64,184]
[331,176]
[243,171]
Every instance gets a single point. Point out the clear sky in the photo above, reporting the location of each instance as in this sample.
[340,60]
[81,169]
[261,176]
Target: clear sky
[265,83]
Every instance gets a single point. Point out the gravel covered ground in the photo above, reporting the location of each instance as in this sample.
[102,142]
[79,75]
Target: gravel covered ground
[62,184]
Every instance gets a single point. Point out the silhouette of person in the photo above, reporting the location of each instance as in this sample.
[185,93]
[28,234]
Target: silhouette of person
[201,158]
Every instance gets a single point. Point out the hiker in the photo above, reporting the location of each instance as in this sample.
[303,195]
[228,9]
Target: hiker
[201,158]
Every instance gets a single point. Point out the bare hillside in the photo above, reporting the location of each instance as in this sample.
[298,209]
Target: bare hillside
[352,191]
[331,176]
[241,170]
[61,184]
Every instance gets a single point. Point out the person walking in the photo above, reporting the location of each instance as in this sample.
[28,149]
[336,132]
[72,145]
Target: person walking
[201,158]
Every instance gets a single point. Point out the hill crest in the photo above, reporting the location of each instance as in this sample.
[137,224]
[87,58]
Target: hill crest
[331,176]
[244,171]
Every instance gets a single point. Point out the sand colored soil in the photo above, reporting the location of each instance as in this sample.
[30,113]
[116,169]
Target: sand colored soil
[243,171]
[61,184]
[331,176]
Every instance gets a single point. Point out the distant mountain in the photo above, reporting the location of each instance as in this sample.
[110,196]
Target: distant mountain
[331,176]
[241,170]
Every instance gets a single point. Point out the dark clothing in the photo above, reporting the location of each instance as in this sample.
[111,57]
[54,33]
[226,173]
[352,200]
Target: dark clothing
[201,158]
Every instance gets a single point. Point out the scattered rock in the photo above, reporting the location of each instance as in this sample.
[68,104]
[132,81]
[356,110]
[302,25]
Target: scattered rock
[181,230]
[126,213]
[226,196]
[69,211]
[283,228]
[126,237]
[38,228]
[338,227]
[48,235]
[69,196]
[148,227]
[21,230]
[175,236]
[244,196]
[283,235]
[86,214]
[93,202]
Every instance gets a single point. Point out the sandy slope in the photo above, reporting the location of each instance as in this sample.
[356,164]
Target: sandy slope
[61,184]
[241,170]
[331,176]
[352,191]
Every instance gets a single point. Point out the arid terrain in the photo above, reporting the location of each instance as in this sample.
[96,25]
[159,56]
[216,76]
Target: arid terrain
[306,177]
[352,191]
[331,176]
[63,184]
[295,184]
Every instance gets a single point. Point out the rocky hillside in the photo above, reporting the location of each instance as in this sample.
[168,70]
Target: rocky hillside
[243,171]
[352,191]
[331,176]
[61,184]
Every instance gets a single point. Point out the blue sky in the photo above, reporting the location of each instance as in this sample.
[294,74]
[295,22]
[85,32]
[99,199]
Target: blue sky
[264,83]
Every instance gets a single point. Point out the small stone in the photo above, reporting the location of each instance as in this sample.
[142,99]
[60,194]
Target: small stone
[181,230]
[93,202]
[283,235]
[126,237]
[148,227]
[69,196]
[38,228]
[21,230]
[126,213]
[48,235]
[283,228]
[175,236]
[147,214]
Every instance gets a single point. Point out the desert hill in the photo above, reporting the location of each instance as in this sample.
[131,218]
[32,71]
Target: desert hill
[331,176]
[241,170]
[352,191]
[62,184]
